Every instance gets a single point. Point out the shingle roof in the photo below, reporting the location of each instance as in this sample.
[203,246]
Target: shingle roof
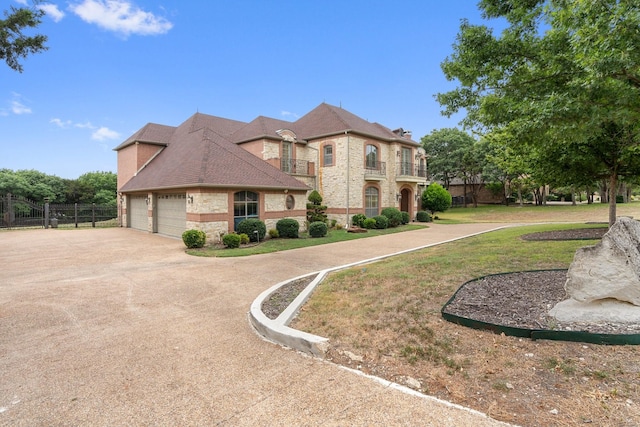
[199,156]
[203,150]
[151,133]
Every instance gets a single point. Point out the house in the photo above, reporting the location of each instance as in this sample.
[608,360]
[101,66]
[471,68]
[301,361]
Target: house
[209,173]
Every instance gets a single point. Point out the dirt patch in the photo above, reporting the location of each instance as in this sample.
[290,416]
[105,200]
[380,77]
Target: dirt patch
[523,300]
[572,234]
[278,301]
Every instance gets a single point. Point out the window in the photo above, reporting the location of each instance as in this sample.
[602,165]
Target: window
[245,205]
[287,156]
[371,203]
[327,159]
[406,166]
[290,202]
[371,156]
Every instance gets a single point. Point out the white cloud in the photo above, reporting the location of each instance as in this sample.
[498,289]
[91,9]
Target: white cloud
[18,107]
[105,133]
[289,115]
[52,11]
[24,2]
[86,125]
[60,123]
[120,16]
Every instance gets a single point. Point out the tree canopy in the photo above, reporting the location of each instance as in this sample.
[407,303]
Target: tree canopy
[563,78]
[14,43]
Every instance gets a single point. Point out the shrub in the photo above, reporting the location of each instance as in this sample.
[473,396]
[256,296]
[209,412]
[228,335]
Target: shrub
[423,216]
[288,227]
[244,239]
[333,223]
[318,229]
[231,240]
[249,226]
[381,222]
[435,198]
[369,223]
[315,208]
[393,215]
[194,238]
[273,233]
[405,218]
[358,220]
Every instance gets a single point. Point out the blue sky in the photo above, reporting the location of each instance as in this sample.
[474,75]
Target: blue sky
[115,65]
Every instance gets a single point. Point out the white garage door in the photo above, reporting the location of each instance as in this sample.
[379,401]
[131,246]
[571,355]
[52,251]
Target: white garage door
[172,214]
[138,213]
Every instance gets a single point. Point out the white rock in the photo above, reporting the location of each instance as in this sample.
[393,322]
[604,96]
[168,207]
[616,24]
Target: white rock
[413,383]
[610,269]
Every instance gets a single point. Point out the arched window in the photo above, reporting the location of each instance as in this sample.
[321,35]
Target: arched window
[245,205]
[371,202]
[371,156]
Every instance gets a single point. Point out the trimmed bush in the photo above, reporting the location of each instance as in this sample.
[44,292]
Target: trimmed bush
[369,223]
[315,208]
[273,233]
[381,222]
[288,227]
[194,238]
[436,198]
[358,220]
[406,219]
[231,240]
[423,216]
[244,239]
[249,226]
[318,229]
[393,215]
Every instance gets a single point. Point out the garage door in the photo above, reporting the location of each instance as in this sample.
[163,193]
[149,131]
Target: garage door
[172,214]
[137,213]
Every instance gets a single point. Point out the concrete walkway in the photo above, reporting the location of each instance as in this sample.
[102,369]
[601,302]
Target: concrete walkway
[117,327]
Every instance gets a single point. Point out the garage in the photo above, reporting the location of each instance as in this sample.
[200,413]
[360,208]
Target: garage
[137,213]
[171,214]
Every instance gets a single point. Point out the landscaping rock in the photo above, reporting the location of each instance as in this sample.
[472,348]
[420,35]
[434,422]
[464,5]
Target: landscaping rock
[610,269]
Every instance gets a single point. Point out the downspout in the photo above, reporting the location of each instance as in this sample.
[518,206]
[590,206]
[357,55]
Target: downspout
[346,132]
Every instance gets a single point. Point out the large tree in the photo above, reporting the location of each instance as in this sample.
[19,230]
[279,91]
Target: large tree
[14,43]
[445,150]
[563,73]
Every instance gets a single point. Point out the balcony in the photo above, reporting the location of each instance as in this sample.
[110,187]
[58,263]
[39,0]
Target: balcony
[375,171]
[296,167]
[410,172]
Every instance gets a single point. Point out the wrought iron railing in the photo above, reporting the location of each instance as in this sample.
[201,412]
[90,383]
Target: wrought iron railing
[411,169]
[375,168]
[294,166]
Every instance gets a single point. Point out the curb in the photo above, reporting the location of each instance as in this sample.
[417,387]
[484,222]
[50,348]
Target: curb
[278,331]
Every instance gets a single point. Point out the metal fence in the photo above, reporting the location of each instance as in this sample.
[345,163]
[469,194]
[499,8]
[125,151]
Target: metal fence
[18,212]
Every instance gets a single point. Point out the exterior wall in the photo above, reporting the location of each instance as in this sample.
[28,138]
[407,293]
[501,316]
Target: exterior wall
[131,159]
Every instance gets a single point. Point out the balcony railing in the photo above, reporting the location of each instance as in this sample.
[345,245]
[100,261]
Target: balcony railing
[411,169]
[375,168]
[294,166]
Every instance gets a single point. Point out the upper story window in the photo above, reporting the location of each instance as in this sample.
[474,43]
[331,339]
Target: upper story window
[327,155]
[371,156]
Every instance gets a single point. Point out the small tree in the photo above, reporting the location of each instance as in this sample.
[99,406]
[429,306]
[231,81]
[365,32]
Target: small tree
[436,199]
[315,208]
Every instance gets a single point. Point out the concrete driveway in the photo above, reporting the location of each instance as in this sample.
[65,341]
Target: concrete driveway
[118,327]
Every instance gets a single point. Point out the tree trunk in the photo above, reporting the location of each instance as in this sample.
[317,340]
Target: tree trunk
[613,184]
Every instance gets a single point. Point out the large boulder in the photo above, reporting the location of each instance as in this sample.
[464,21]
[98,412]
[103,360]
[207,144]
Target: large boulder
[610,269]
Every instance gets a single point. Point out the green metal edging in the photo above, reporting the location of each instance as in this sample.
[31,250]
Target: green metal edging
[537,334]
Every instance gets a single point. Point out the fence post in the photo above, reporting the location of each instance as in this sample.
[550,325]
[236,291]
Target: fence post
[93,215]
[10,214]
[75,207]
[46,213]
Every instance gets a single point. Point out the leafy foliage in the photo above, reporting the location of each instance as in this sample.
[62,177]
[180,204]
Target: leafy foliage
[369,223]
[435,198]
[14,44]
[288,227]
[194,238]
[405,217]
[249,227]
[381,222]
[318,229]
[423,216]
[315,209]
[393,215]
[358,220]
[231,240]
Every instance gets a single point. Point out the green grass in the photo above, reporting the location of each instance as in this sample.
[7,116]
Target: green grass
[276,245]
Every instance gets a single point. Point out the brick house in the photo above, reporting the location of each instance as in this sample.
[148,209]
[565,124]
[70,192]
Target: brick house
[209,173]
